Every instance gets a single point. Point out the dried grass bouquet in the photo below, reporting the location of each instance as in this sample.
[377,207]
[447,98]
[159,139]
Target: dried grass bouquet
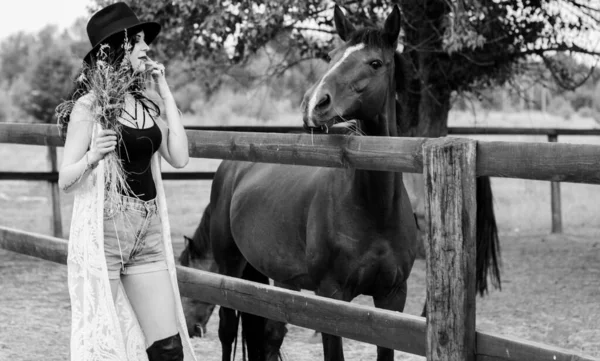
[108,82]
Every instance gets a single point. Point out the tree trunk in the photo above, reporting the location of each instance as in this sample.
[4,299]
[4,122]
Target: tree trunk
[424,97]
[424,94]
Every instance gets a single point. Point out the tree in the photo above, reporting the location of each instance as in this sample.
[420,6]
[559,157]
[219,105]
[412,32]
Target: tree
[449,46]
[14,56]
[51,81]
[49,74]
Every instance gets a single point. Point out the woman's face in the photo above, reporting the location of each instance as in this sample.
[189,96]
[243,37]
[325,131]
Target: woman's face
[138,55]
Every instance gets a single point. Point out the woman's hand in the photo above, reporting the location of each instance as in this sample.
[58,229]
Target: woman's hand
[106,142]
[157,70]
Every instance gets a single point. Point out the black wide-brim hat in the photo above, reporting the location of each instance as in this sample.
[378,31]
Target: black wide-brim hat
[113,19]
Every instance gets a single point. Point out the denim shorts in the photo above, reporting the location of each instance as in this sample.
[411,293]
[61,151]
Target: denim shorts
[133,238]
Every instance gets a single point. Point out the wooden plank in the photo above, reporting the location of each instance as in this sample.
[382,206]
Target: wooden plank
[362,323]
[521,131]
[34,138]
[451,130]
[53,176]
[556,207]
[406,332]
[542,161]
[493,347]
[57,229]
[450,188]
[558,162]
[375,153]
[34,244]
[33,134]
[555,198]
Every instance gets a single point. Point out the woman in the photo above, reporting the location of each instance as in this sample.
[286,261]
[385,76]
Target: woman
[122,281]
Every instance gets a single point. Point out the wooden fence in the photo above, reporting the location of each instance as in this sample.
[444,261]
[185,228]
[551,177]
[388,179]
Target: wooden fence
[52,176]
[449,333]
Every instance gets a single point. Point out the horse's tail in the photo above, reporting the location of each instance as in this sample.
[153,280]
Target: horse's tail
[488,245]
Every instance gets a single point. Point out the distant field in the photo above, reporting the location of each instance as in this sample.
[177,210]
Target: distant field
[550,292]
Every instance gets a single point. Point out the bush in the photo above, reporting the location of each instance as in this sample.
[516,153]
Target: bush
[581,98]
[228,106]
[561,107]
[187,95]
[596,98]
[5,106]
[587,112]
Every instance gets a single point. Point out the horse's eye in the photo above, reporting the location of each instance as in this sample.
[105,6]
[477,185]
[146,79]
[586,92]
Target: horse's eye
[327,58]
[376,64]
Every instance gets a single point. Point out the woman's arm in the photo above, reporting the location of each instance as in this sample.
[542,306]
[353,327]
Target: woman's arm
[174,147]
[77,160]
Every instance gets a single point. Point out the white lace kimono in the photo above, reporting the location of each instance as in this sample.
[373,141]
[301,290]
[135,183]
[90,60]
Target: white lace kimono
[100,329]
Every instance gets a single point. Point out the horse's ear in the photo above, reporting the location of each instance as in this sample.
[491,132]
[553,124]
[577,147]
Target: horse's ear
[391,29]
[342,25]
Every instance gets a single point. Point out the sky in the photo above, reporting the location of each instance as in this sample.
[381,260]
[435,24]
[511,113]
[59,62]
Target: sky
[33,15]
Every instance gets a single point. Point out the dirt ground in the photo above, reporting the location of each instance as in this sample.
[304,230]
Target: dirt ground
[550,294]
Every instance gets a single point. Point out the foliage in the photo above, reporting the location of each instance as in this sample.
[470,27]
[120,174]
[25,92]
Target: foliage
[447,45]
[37,71]
[50,82]
[481,41]
[14,56]
[5,105]
[474,47]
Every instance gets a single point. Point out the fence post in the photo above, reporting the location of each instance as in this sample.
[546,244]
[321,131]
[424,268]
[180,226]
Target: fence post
[555,197]
[449,172]
[56,213]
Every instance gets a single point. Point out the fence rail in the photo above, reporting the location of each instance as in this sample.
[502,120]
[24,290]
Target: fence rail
[395,330]
[537,161]
[450,219]
[551,133]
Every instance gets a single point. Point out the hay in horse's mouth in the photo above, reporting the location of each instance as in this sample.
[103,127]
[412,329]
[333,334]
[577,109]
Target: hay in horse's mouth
[336,125]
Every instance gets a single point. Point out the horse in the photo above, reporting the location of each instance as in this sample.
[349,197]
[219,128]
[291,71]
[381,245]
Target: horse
[338,232]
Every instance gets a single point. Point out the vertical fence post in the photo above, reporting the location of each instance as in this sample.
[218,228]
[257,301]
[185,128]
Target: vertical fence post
[56,214]
[449,171]
[555,197]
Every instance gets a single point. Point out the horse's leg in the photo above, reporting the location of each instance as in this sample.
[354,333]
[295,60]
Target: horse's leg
[228,321]
[393,301]
[332,345]
[253,326]
[228,328]
[263,336]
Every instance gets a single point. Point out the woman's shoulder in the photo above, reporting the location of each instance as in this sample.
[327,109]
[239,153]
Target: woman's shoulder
[82,109]
[86,100]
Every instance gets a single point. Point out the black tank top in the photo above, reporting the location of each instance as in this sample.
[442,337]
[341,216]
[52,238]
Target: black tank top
[136,149]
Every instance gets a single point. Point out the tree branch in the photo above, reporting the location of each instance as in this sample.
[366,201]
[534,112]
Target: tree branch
[561,81]
[583,6]
[559,47]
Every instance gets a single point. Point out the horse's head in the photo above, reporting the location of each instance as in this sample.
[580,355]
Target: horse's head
[197,313]
[359,83]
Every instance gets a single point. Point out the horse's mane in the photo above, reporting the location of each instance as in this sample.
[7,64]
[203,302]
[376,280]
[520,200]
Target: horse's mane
[199,245]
